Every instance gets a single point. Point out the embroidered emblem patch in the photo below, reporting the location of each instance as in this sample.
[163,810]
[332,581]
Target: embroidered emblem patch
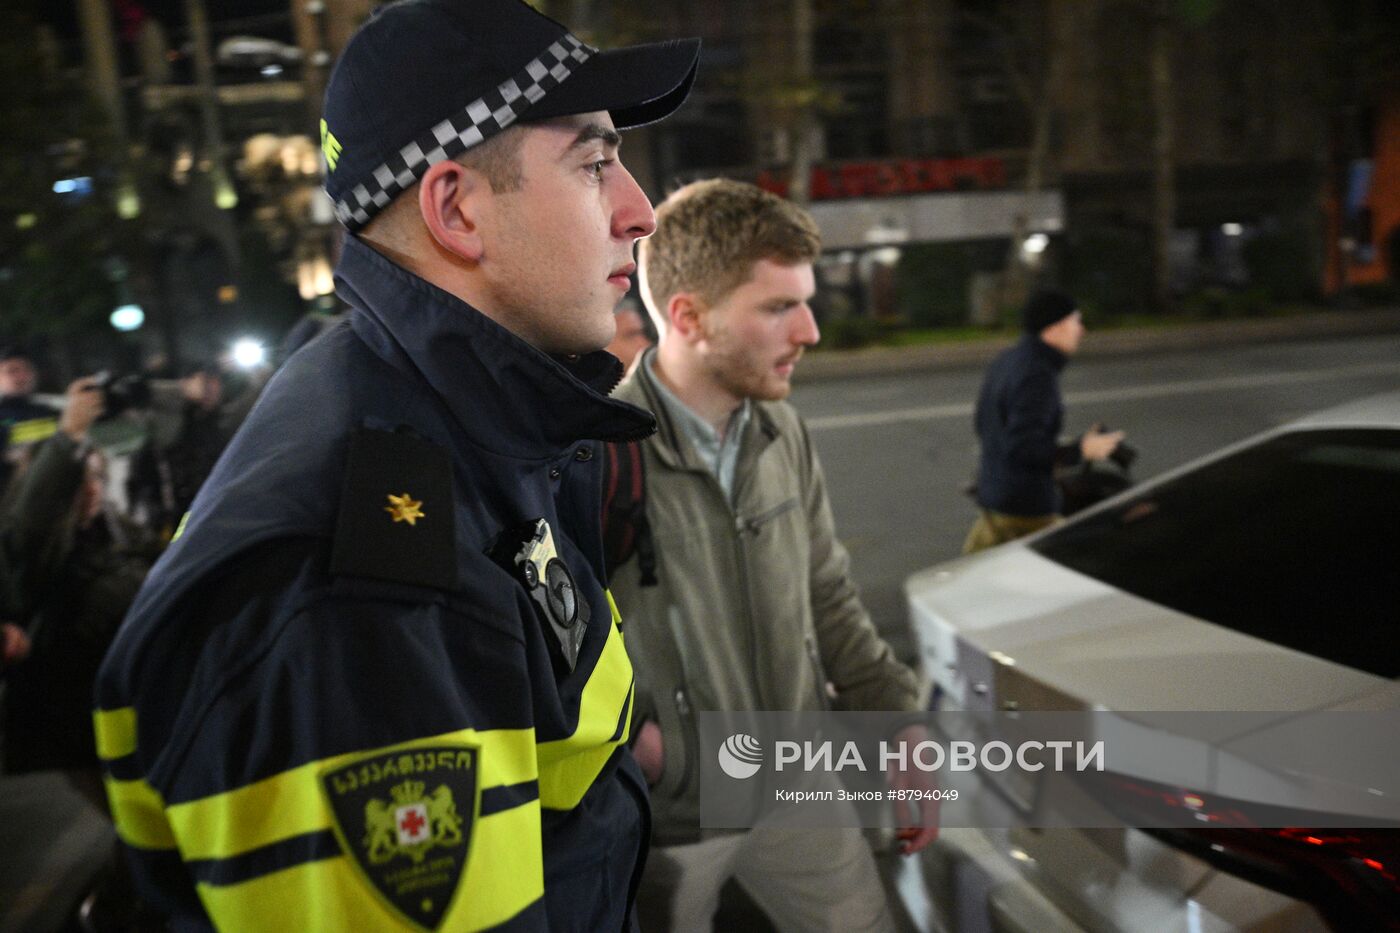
[405,819]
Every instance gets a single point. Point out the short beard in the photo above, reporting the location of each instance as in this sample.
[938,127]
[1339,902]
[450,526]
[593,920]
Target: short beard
[731,369]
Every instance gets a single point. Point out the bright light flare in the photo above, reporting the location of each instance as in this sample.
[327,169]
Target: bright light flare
[80,185]
[127,317]
[248,353]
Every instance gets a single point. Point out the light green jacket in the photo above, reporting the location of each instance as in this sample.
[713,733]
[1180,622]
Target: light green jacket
[755,608]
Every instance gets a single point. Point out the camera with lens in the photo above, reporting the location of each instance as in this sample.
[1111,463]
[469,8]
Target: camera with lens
[121,393]
[1124,455]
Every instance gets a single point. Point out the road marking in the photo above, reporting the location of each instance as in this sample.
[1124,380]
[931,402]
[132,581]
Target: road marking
[1127,393]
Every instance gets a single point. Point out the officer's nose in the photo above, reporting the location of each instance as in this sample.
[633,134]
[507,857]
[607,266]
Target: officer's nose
[632,216]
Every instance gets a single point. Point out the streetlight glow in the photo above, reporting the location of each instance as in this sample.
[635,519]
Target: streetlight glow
[1035,243]
[128,317]
[80,185]
[248,353]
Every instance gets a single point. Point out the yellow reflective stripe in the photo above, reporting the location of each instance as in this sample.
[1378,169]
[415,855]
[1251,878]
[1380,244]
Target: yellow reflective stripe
[612,606]
[564,783]
[139,814]
[116,732]
[36,429]
[504,875]
[569,766]
[291,803]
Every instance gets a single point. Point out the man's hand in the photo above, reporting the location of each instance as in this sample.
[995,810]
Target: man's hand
[14,644]
[649,752]
[917,819]
[1097,445]
[84,406]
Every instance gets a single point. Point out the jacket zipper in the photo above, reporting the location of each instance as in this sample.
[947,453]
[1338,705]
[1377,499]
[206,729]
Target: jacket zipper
[755,524]
[691,748]
[751,526]
[823,701]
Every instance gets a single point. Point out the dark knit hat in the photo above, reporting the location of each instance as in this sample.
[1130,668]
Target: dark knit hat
[425,80]
[1044,308]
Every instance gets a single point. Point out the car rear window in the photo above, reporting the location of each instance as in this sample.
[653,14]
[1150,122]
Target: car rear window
[1295,540]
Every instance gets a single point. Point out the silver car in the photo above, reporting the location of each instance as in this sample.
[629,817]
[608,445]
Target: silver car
[1263,578]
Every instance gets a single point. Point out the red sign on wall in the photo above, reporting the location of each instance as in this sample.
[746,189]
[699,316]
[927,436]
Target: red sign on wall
[895,176]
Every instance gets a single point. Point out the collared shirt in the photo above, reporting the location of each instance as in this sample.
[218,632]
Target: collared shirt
[719,454]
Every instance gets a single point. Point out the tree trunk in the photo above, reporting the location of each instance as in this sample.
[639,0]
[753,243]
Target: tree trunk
[1016,279]
[802,123]
[100,50]
[1163,155]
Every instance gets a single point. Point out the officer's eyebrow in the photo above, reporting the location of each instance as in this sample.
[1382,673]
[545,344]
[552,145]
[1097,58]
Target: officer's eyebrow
[596,131]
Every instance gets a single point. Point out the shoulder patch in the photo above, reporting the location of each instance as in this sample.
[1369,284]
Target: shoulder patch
[396,519]
[405,817]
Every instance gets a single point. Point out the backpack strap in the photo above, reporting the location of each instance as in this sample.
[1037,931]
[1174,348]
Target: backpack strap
[626,530]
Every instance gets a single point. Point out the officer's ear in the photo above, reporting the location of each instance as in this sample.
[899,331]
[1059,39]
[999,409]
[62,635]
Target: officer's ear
[450,198]
[683,315]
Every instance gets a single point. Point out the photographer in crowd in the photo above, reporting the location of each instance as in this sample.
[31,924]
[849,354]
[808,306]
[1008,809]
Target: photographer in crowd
[186,431]
[1018,420]
[73,569]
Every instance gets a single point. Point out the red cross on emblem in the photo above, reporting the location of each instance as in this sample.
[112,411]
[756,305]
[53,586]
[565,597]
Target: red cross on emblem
[413,824]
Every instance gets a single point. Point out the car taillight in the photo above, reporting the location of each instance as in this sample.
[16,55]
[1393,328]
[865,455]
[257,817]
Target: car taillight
[1352,876]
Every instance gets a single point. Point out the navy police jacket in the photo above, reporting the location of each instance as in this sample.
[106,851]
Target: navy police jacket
[1018,419]
[343,701]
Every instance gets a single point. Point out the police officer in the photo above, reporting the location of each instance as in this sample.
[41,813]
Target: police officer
[376,682]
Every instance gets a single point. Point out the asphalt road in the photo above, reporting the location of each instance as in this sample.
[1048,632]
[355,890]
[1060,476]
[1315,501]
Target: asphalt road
[898,449]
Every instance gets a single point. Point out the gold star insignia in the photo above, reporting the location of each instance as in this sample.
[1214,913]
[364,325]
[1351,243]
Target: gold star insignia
[404,509]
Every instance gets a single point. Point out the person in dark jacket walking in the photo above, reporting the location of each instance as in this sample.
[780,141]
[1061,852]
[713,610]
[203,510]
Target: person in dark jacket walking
[376,682]
[1018,419]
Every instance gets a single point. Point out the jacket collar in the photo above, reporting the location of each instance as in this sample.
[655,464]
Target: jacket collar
[1044,351]
[671,444]
[508,396]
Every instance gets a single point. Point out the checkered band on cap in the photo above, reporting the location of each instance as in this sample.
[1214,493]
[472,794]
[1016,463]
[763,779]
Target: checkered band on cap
[480,120]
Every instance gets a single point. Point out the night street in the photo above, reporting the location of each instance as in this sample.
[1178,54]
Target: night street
[339,561]
[898,449]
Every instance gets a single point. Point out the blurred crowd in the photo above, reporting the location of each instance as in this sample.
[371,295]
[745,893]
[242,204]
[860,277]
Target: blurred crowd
[94,484]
